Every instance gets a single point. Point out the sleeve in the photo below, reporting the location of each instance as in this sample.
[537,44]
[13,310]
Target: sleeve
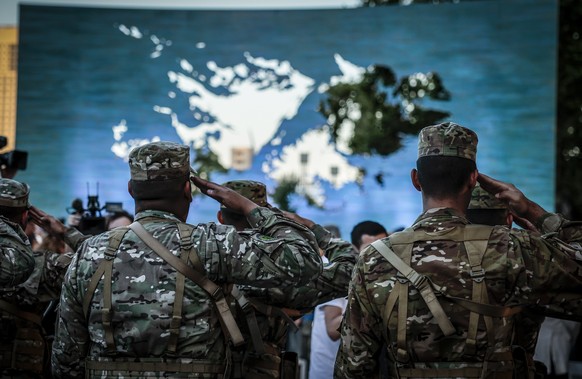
[551,268]
[280,252]
[74,238]
[331,284]
[71,337]
[16,262]
[53,274]
[361,338]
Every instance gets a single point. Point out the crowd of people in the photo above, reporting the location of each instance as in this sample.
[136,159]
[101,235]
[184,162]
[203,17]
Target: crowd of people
[458,294]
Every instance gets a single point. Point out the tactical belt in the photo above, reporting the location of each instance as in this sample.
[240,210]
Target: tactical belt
[194,366]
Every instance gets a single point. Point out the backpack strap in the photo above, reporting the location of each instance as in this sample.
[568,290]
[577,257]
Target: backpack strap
[104,270]
[420,282]
[186,248]
[15,311]
[251,319]
[475,242]
[226,318]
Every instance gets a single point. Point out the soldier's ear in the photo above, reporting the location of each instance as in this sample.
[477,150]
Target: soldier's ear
[473,179]
[129,189]
[188,191]
[219,217]
[414,178]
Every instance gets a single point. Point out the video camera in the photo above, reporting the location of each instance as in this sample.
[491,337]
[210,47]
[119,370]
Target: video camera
[92,221]
[15,159]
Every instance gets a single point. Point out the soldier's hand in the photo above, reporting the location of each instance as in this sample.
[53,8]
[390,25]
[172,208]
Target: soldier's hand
[298,219]
[49,223]
[225,196]
[518,204]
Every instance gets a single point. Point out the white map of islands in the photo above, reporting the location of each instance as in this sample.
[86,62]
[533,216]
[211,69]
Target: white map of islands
[240,110]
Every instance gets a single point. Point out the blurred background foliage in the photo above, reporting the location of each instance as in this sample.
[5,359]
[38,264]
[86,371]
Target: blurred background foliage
[569,102]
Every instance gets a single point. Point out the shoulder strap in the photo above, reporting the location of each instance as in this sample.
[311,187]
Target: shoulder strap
[420,282]
[225,315]
[15,311]
[475,242]
[105,270]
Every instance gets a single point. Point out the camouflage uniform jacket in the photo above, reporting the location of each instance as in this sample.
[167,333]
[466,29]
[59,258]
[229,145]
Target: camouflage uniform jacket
[23,352]
[331,284]
[521,267]
[143,286]
[16,262]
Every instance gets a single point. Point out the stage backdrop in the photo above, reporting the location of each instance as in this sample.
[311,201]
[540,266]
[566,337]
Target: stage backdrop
[93,83]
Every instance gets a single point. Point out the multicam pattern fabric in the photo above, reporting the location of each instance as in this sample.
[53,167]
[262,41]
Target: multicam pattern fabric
[159,161]
[447,139]
[254,191]
[23,354]
[13,193]
[16,260]
[481,199]
[331,284]
[520,268]
[283,254]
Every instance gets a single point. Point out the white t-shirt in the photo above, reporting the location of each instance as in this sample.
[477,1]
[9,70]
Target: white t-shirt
[323,348]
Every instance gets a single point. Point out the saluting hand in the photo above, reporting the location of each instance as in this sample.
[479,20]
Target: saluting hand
[49,223]
[225,196]
[518,204]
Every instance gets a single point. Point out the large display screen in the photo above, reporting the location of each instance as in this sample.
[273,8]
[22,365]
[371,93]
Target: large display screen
[245,88]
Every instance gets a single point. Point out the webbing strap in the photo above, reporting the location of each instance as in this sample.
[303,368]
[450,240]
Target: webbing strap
[251,319]
[225,315]
[15,311]
[105,270]
[466,372]
[115,239]
[476,240]
[270,311]
[107,310]
[203,367]
[187,245]
[177,311]
[421,283]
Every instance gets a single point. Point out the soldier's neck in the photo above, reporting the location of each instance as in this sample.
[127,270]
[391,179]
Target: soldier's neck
[459,204]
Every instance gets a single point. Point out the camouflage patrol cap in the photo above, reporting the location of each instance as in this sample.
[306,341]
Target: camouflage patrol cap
[447,139]
[13,193]
[159,161]
[481,199]
[254,191]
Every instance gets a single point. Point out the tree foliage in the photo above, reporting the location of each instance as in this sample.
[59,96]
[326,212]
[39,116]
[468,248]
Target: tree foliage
[378,117]
[569,107]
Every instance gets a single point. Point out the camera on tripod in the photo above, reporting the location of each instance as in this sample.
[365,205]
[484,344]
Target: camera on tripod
[12,160]
[91,219]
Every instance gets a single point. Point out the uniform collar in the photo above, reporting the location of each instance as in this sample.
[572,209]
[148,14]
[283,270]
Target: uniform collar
[436,216]
[152,213]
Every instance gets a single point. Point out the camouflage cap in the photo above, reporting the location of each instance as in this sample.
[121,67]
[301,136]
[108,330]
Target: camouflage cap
[13,193]
[159,161]
[254,191]
[481,199]
[447,139]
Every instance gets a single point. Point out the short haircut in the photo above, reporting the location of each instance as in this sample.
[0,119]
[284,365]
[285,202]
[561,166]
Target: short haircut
[371,228]
[443,176]
[157,189]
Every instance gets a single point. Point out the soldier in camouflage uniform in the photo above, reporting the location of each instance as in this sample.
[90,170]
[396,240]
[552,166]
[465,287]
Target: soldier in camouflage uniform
[23,348]
[295,301]
[444,294]
[128,309]
[16,261]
